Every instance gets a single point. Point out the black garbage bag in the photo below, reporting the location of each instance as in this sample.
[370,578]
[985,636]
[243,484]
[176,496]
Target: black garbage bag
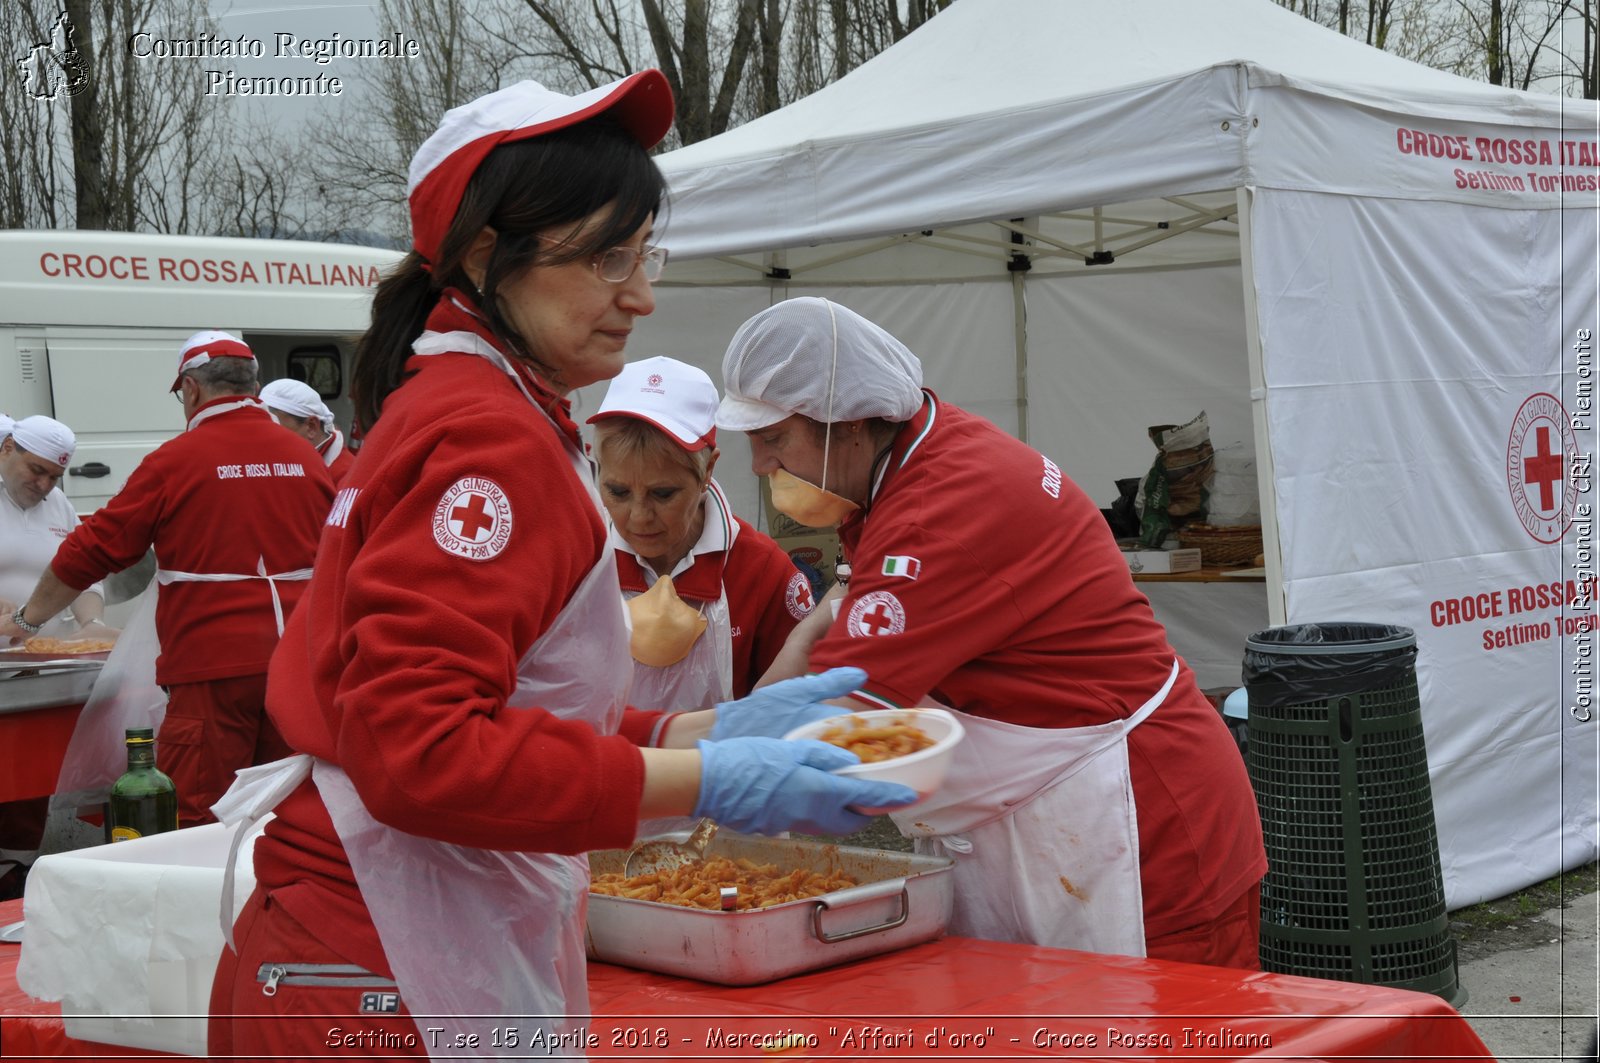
[1302,663]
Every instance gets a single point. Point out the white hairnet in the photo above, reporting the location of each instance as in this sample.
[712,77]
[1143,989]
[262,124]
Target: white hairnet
[814,357]
[45,437]
[297,398]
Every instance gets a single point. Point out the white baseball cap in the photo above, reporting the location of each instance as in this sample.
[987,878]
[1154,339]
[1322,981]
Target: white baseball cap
[206,345]
[673,396]
[298,398]
[446,161]
[814,357]
[45,437]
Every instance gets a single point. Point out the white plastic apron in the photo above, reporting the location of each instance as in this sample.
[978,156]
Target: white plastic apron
[480,936]
[125,693]
[1043,829]
[699,681]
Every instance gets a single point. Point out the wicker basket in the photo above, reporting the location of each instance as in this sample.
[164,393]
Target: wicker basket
[1221,546]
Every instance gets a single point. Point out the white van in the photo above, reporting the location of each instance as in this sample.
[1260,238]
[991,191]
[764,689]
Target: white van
[91,324]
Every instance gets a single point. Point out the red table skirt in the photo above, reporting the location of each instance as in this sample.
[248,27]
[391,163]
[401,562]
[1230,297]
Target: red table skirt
[35,741]
[956,998]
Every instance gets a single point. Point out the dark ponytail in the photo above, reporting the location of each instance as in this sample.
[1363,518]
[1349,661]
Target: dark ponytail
[400,309]
[521,189]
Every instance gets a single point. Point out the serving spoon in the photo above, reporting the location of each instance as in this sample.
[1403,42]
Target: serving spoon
[660,854]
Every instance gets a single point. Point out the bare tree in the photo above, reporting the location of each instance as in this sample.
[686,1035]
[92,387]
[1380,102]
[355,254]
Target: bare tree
[397,106]
[107,140]
[35,157]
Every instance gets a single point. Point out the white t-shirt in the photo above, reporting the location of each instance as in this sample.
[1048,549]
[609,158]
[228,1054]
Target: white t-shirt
[28,542]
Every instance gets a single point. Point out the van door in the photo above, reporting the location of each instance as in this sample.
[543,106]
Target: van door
[109,385]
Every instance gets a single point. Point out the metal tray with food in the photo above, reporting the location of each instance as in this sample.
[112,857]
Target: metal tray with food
[42,687]
[901,899]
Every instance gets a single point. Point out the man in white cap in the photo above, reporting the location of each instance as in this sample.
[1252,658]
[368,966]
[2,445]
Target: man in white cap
[233,508]
[299,408]
[35,516]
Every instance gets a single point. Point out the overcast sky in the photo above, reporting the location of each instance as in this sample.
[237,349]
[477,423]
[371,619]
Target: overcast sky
[317,19]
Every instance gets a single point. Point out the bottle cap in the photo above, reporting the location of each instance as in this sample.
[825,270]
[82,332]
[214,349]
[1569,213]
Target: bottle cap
[141,734]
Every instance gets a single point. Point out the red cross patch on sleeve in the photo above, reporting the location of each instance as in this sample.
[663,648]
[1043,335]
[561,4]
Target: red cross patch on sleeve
[797,596]
[876,613]
[473,519]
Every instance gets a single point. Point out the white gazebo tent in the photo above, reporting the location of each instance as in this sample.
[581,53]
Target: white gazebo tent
[1378,279]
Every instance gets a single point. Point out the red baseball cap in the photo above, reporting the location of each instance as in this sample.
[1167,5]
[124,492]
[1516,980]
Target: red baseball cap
[446,161]
[206,345]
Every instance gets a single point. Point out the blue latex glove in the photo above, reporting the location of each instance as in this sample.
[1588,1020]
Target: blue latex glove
[774,711]
[766,786]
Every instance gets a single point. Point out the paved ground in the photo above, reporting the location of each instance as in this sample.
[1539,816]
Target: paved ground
[1533,986]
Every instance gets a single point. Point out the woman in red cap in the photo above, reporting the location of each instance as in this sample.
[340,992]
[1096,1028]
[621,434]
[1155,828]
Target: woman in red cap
[454,683]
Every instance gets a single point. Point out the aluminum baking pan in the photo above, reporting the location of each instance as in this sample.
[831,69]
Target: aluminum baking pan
[903,899]
[42,687]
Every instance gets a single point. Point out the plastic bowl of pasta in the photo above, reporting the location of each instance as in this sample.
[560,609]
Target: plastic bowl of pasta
[909,746]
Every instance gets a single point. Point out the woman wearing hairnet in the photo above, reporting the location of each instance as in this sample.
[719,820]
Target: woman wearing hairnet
[1097,802]
[455,683]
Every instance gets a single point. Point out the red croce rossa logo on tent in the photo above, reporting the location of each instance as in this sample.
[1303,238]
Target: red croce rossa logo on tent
[1539,461]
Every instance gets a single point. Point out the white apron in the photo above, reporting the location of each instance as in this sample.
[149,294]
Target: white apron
[479,936]
[1042,826]
[125,693]
[703,678]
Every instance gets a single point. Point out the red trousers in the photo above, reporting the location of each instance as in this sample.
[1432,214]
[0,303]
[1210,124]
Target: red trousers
[212,729]
[1232,939]
[321,1007]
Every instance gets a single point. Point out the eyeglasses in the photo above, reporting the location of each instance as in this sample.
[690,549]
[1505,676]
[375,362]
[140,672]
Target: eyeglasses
[617,264]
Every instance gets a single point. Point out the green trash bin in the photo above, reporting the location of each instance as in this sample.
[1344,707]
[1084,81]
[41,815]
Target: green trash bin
[1353,889]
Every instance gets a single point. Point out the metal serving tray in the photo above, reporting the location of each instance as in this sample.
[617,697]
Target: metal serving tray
[904,899]
[45,686]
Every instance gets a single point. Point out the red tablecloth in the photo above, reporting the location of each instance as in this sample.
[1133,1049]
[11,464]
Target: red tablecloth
[956,998]
[35,741]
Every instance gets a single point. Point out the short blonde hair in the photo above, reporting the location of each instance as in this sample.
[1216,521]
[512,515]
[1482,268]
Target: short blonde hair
[621,439]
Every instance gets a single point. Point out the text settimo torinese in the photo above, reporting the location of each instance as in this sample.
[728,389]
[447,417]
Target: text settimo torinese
[1512,601]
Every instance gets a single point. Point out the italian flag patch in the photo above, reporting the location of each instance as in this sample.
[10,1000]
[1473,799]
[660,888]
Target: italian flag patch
[902,565]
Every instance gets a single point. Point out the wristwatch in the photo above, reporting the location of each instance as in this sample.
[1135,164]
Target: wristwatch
[17,619]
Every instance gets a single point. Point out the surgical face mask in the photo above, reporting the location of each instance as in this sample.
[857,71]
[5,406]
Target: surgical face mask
[806,502]
[664,626]
[813,506]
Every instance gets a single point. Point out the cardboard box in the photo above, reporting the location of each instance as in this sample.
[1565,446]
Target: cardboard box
[127,936]
[1162,561]
[820,550]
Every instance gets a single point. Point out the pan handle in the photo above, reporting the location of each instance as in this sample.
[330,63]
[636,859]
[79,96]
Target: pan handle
[862,895]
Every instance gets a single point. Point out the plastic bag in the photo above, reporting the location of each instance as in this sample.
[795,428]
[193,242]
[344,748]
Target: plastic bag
[1304,663]
[1177,487]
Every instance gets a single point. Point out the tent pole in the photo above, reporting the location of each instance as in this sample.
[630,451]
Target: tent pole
[1265,471]
[1020,317]
[1019,266]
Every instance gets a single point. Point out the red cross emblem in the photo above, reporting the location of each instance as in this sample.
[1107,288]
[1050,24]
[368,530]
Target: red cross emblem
[473,519]
[876,613]
[1543,469]
[797,596]
[1538,466]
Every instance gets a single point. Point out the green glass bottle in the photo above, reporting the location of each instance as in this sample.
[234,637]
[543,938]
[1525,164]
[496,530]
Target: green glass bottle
[143,801]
